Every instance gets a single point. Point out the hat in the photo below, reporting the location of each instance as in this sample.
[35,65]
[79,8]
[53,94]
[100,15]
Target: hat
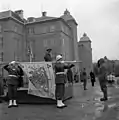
[13,62]
[49,49]
[58,57]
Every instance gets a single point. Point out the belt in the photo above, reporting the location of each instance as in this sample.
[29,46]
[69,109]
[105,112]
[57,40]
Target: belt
[58,73]
[13,75]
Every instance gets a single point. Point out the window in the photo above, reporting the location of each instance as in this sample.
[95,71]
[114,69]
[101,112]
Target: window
[1,56]
[45,43]
[44,30]
[1,42]
[0,28]
[30,30]
[15,29]
[52,28]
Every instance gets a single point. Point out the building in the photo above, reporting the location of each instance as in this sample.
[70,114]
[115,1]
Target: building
[19,37]
[12,37]
[85,52]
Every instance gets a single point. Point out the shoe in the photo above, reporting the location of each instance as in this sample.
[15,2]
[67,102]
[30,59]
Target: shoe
[15,105]
[103,99]
[62,106]
[9,106]
[85,89]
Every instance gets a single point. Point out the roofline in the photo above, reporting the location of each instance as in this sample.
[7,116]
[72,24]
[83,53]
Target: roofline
[49,21]
[10,16]
[74,21]
[85,41]
[13,19]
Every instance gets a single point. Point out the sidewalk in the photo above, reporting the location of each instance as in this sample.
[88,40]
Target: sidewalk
[85,105]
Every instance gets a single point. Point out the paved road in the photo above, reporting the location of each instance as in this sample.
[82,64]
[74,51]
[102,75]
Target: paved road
[85,105]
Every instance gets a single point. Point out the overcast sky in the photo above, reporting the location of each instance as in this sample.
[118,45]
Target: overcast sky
[98,18]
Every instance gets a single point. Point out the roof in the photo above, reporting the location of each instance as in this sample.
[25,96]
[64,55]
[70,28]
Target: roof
[10,14]
[67,16]
[85,38]
[44,18]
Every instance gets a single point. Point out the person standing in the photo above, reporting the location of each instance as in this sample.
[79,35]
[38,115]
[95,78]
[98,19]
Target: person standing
[102,76]
[84,75]
[48,56]
[60,80]
[12,82]
[92,77]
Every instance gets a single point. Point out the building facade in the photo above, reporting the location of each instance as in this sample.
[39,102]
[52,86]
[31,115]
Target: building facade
[18,36]
[85,53]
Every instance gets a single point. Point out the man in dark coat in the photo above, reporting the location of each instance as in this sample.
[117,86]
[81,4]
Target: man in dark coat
[70,75]
[48,57]
[102,78]
[92,77]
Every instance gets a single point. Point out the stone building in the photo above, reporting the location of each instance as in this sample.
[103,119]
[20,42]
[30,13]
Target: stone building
[85,52]
[18,36]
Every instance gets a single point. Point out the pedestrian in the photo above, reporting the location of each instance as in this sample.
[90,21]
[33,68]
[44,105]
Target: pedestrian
[92,77]
[70,75]
[12,82]
[48,56]
[102,76]
[60,80]
[84,76]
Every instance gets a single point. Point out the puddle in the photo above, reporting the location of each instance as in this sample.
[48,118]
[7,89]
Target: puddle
[112,105]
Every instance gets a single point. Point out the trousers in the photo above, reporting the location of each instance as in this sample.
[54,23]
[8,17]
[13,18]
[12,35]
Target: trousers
[84,83]
[59,92]
[103,87]
[12,92]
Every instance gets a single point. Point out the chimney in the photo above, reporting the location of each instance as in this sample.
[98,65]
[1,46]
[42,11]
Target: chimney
[20,13]
[31,19]
[44,14]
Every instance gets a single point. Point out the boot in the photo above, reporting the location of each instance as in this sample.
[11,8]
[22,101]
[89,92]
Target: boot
[60,104]
[14,103]
[10,104]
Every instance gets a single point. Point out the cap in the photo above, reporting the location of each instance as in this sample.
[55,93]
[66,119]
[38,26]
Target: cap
[49,49]
[58,57]
[13,62]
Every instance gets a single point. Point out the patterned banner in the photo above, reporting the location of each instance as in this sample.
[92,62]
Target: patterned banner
[41,79]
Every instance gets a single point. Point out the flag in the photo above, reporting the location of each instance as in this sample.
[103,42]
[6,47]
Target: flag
[30,52]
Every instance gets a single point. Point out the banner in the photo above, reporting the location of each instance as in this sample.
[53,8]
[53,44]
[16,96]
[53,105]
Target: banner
[41,79]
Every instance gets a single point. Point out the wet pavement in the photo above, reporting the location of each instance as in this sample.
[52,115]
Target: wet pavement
[85,105]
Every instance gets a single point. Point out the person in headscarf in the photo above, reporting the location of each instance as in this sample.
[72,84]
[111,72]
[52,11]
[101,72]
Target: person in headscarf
[12,82]
[48,56]
[60,78]
[102,76]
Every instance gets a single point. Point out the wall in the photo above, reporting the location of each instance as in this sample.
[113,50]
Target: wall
[43,36]
[85,55]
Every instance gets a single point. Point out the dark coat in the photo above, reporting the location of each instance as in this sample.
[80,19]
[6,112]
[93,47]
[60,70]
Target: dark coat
[17,72]
[92,75]
[60,67]
[70,76]
[47,57]
[102,74]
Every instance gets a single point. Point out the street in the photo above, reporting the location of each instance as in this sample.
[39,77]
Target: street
[85,105]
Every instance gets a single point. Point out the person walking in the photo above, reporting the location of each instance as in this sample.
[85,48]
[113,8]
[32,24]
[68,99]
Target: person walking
[12,82]
[92,77]
[102,76]
[84,75]
[60,78]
